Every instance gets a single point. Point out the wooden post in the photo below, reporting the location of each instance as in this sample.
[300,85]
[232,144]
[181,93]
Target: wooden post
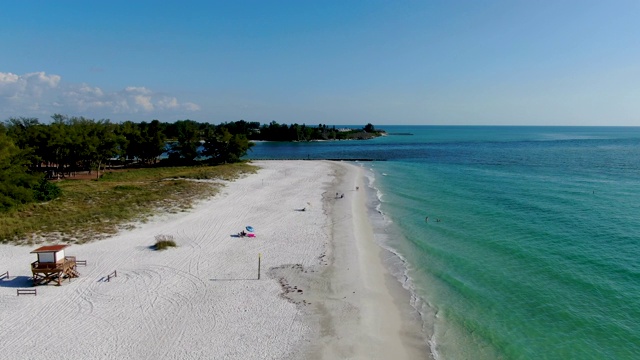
[114,273]
[259,256]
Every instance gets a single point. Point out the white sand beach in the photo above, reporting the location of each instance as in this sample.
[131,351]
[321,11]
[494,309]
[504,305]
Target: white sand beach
[323,292]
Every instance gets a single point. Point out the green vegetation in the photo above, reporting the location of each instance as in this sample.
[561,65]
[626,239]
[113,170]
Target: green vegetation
[164,242]
[90,209]
[31,153]
[19,185]
[295,132]
[163,245]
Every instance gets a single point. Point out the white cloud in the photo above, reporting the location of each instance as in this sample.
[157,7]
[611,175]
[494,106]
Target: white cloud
[42,78]
[137,90]
[38,94]
[168,102]
[191,106]
[144,101]
[8,78]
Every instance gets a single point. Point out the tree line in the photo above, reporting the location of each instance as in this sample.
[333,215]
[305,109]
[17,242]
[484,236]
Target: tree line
[295,132]
[32,152]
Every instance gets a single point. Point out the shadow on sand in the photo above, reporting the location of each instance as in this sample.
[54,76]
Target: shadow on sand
[16,282]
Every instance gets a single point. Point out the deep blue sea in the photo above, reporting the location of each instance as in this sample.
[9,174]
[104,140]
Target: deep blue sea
[532,246]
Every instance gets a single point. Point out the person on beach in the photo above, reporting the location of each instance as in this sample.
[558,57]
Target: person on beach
[426,219]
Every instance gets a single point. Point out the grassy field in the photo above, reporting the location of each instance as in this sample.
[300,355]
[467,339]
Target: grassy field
[92,209]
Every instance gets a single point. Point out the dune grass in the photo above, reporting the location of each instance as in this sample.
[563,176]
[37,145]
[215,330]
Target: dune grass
[164,242]
[92,209]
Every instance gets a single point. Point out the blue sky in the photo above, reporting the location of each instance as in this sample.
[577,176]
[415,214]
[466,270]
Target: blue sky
[331,62]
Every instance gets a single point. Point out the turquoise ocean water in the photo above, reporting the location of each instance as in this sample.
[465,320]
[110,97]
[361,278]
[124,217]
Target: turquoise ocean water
[537,251]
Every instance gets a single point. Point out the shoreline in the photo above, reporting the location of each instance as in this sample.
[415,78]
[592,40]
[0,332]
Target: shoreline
[380,322]
[324,292]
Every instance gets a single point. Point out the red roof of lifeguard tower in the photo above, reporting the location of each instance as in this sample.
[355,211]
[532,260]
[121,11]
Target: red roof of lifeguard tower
[49,248]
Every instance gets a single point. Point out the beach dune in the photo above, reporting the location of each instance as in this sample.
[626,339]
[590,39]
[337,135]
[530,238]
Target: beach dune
[323,291]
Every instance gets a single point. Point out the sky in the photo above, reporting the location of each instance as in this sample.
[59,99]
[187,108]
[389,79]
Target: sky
[324,62]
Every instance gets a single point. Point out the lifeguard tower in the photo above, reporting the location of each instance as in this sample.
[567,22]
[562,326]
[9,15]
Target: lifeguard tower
[53,265]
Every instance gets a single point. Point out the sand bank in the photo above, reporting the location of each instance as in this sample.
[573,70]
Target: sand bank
[323,292]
